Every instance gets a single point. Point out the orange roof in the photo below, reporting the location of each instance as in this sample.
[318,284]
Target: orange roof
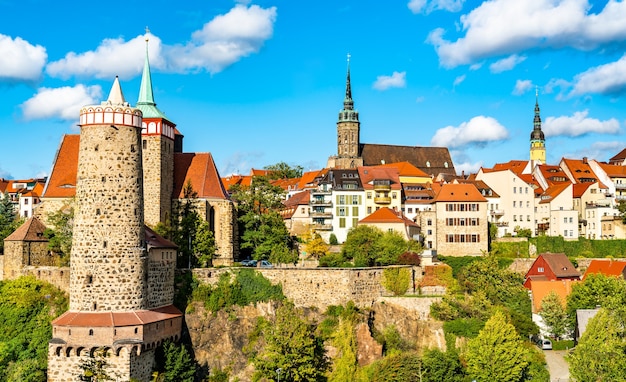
[62,180]
[116,319]
[370,173]
[31,230]
[300,198]
[606,267]
[257,172]
[554,191]
[459,193]
[387,215]
[406,169]
[612,170]
[541,289]
[516,166]
[231,180]
[580,188]
[200,170]
[580,170]
[308,178]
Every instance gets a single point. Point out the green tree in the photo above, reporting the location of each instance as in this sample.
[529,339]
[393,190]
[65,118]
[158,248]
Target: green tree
[442,366]
[361,245]
[601,353]
[398,367]
[179,366]
[345,364]
[523,232]
[390,246]
[204,245]
[497,353]
[554,315]
[597,290]
[291,345]
[396,280]
[185,226]
[8,219]
[59,233]
[621,207]
[94,367]
[282,170]
[316,247]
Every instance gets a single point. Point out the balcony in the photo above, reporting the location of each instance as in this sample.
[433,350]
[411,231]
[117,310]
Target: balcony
[382,187]
[321,202]
[620,186]
[496,212]
[322,227]
[501,224]
[321,192]
[320,215]
[382,200]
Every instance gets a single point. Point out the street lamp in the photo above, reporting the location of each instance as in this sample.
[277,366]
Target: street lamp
[278,372]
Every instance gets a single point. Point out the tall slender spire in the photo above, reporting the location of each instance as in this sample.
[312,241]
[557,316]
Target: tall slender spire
[146,97]
[537,138]
[348,103]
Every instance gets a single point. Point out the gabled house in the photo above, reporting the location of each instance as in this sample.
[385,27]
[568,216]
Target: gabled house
[382,187]
[607,267]
[26,246]
[555,213]
[297,212]
[387,219]
[550,267]
[619,159]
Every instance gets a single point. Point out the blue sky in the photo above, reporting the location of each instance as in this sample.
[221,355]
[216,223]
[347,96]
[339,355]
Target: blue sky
[256,83]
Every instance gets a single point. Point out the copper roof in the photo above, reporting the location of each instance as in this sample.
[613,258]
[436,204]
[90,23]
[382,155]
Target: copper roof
[116,319]
[200,170]
[62,180]
[31,230]
[431,160]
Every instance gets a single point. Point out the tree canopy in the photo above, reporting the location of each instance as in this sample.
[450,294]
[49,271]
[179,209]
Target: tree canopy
[554,315]
[8,219]
[597,290]
[282,170]
[368,246]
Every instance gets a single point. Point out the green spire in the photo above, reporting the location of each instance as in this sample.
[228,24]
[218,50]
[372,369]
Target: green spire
[146,99]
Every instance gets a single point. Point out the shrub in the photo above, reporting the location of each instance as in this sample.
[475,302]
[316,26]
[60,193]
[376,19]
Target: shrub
[396,280]
[409,258]
[464,327]
[335,260]
[332,240]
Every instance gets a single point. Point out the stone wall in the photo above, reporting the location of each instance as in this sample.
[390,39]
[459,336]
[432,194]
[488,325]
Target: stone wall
[319,287]
[57,276]
[158,177]
[161,266]
[21,254]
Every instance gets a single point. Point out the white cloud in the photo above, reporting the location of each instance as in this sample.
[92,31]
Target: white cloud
[114,57]
[504,27]
[396,80]
[417,6]
[458,80]
[224,40]
[578,124]
[478,131]
[506,64]
[63,103]
[604,79]
[221,42]
[467,167]
[522,86]
[601,151]
[420,99]
[20,60]
[240,163]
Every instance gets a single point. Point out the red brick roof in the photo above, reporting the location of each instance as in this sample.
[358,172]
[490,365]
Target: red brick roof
[62,180]
[200,170]
[116,319]
[606,267]
[31,230]
[459,193]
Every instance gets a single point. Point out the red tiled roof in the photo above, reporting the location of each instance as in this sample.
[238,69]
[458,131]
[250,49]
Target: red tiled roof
[560,265]
[553,191]
[31,230]
[231,180]
[308,178]
[370,173]
[300,198]
[580,169]
[62,180]
[116,319]
[580,188]
[606,267]
[619,157]
[406,169]
[516,166]
[387,215]
[459,193]
[614,171]
[200,170]
[155,240]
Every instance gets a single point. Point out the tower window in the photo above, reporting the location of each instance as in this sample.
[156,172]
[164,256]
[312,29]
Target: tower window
[97,211]
[132,148]
[104,244]
[144,144]
[91,332]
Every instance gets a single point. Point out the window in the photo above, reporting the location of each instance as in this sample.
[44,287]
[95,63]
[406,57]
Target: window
[342,222]
[144,144]
[342,211]
[369,195]
[410,210]
[355,211]
[571,233]
[514,190]
[342,199]
[528,218]
[393,195]
[565,233]
[369,210]
[526,190]
[540,269]
[564,220]
[527,204]
[355,199]
[430,231]
[355,222]
[571,220]
[429,222]
[514,204]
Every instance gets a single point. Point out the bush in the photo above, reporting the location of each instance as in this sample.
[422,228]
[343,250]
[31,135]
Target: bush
[334,260]
[409,258]
[464,327]
[332,240]
[396,280]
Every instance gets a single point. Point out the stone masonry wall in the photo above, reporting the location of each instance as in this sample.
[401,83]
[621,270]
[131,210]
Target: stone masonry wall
[161,266]
[158,177]
[57,276]
[318,287]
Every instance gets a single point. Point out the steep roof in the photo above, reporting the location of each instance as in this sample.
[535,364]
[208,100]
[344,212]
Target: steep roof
[155,240]
[614,171]
[560,265]
[541,288]
[606,267]
[231,180]
[516,166]
[200,170]
[31,230]
[619,157]
[370,173]
[298,199]
[580,170]
[553,191]
[580,188]
[481,186]
[452,192]
[387,215]
[431,160]
[62,180]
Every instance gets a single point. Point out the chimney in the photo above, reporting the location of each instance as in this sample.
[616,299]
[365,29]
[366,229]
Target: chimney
[584,160]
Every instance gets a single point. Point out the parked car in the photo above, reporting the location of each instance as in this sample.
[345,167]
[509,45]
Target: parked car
[249,263]
[265,264]
[545,344]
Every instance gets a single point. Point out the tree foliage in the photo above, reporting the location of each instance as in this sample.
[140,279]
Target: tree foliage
[442,366]
[95,367]
[497,353]
[204,245]
[282,170]
[368,246]
[398,367]
[59,233]
[291,346]
[28,307]
[8,219]
[316,247]
[396,280]
[597,290]
[179,366]
[554,315]
[345,364]
[601,353]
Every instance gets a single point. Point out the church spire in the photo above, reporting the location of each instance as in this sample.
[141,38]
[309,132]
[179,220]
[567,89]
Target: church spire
[537,138]
[348,103]
[146,97]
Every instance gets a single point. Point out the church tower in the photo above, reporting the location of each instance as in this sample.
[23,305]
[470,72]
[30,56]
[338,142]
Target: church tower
[537,139]
[115,305]
[348,133]
[158,135]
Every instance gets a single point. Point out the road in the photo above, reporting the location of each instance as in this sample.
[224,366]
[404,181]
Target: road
[559,369]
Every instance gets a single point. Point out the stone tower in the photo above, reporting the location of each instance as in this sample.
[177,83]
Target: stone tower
[348,133]
[112,292]
[537,139]
[157,140]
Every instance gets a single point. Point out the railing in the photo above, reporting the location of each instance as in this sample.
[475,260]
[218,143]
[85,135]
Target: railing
[320,202]
[382,187]
[322,215]
[322,227]
[502,224]
[382,200]
[496,212]
[321,192]
[620,186]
